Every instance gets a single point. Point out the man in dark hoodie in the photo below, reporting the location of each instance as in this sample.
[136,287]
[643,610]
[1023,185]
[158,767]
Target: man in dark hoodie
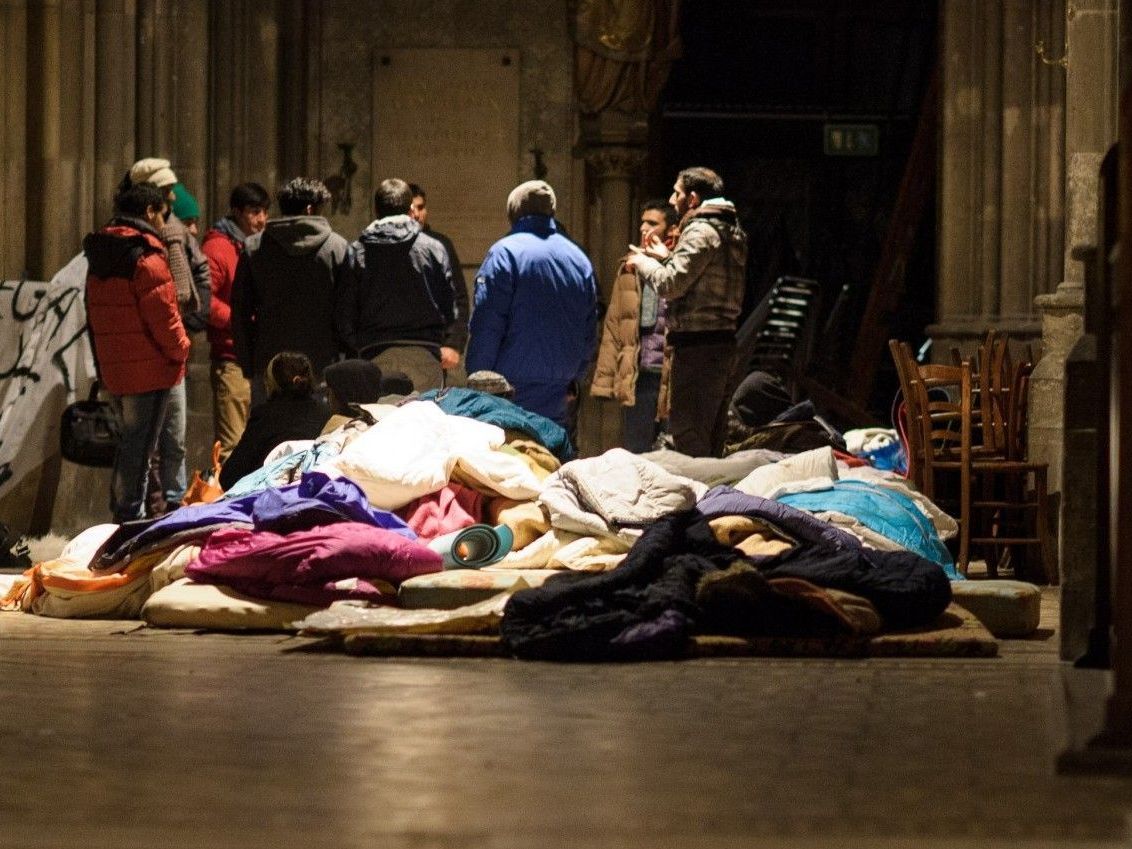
[703,280]
[140,345]
[399,310]
[289,281]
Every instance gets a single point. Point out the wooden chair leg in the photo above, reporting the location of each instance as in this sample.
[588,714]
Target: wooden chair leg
[964,520]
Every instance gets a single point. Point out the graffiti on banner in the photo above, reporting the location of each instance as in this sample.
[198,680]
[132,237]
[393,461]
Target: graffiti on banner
[45,364]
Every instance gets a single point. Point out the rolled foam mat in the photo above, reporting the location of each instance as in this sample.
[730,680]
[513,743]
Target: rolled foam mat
[474,547]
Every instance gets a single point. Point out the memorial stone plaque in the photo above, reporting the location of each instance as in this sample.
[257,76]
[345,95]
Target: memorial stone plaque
[449,120]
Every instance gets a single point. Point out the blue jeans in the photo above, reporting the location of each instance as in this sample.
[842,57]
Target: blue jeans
[171,448]
[638,423]
[142,416]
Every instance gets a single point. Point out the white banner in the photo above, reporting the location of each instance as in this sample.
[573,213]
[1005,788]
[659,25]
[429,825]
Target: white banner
[45,364]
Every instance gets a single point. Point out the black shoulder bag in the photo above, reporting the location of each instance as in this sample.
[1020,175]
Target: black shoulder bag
[89,431]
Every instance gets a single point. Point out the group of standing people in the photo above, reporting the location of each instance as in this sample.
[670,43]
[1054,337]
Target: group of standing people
[394,302]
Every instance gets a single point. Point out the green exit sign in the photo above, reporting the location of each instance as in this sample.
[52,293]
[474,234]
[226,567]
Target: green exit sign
[851,139]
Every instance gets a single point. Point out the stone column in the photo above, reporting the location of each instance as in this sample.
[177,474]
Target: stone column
[299,51]
[615,170]
[1090,129]
[262,97]
[188,24]
[243,59]
[60,95]
[613,148]
[1110,751]
[151,78]
[1000,218]
[172,88]
[44,136]
[13,138]
[1092,82]
[116,117]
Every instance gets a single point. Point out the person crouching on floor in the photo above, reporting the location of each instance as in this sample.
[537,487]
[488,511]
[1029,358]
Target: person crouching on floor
[291,411]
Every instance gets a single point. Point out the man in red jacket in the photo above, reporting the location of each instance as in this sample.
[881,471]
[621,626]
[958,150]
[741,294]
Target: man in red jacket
[223,244]
[140,345]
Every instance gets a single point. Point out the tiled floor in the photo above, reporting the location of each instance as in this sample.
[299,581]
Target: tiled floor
[115,736]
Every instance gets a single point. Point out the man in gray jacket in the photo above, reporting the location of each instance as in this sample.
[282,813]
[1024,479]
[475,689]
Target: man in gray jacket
[702,279]
[289,281]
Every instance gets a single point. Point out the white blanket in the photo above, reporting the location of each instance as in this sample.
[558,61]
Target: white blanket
[615,495]
[414,449]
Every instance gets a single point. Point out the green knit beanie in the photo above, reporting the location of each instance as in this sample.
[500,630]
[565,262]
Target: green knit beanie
[185,206]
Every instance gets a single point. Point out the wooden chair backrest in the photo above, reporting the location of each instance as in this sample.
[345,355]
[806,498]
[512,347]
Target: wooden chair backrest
[992,381]
[1019,410]
[937,410]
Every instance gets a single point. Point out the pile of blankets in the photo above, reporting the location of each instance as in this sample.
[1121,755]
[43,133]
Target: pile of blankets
[651,549]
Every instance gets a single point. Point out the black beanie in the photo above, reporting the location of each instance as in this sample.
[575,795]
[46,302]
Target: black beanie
[353,382]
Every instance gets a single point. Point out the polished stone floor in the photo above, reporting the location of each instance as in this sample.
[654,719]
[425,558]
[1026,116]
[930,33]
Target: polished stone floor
[113,735]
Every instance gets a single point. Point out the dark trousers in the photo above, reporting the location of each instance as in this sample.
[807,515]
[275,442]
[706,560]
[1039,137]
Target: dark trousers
[638,423]
[701,375]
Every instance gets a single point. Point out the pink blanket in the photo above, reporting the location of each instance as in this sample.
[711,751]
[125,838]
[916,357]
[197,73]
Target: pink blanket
[439,513]
[346,560]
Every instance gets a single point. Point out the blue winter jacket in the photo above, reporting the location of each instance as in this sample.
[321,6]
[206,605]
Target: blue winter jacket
[886,511]
[534,316]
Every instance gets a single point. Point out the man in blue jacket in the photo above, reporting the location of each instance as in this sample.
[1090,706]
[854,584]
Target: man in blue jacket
[534,310]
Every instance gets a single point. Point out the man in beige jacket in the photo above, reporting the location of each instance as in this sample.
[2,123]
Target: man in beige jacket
[631,353]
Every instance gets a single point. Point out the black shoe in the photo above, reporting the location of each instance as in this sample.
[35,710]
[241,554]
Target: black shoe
[14,553]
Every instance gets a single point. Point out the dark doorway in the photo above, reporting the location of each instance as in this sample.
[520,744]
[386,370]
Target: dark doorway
[758,95]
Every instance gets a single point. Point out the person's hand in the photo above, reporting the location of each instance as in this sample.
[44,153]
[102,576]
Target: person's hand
[655,247]
[635,254]
[449,357]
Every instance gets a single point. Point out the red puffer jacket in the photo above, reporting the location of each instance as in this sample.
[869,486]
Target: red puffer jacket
[223,250]
[131,303]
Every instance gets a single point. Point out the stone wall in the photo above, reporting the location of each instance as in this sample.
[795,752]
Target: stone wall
[232,91]
[353,32]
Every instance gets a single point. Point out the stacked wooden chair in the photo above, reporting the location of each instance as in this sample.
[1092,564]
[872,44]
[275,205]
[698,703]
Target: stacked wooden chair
[964,432]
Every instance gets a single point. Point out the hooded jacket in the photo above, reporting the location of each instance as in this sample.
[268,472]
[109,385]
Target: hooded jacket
[288,285]
[535,307]
[139,341]
[400,289]
[222,247]
[704,277]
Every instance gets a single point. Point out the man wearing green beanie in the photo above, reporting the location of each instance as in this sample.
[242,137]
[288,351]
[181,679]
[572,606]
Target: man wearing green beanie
[186,208]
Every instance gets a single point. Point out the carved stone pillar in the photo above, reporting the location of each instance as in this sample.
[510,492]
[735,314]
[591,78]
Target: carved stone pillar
[115,64]
[1001,184]
[189,26]
[44,136]
[1110,750]
[1092,83]
[615,170]
[244,62]
[613,147]
[1092,44]
[172,88]
[13,136]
